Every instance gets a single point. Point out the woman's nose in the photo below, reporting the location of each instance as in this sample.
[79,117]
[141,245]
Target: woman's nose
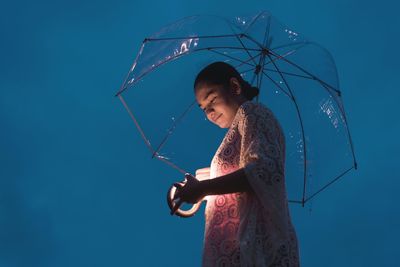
[211,115]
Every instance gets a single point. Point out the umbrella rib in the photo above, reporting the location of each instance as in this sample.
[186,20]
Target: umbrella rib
[262,68]
[151,69]
[266,35]
[245,48]
[227,47]
[350,139]
[231,57]
[313,77]
[172,128]
[257,73]
[277,58]
[277,85]
[248,25]
[328,88]
[147,142]
[291,74]
[283,56]
[190,37]
[253,57]
[165,160]
[254,20]
[301,126]
[334,98]
[343,113]
[253,40]
[245,71]
[303,70]
[287,45]
[328,184]
[124,87]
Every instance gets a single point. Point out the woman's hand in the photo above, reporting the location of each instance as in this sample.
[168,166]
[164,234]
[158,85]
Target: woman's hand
[191,191]
[203,174]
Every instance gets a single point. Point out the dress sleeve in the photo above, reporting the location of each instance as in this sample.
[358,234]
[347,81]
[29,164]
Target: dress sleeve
[262,155]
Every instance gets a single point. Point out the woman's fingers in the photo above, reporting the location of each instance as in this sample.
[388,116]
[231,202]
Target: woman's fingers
[179,185]
[203,174]
[190,178]
[202,177]
[203,171]
[176,207]
[184,190]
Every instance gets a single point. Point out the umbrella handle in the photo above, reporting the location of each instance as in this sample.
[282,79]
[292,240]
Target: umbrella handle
[172,204]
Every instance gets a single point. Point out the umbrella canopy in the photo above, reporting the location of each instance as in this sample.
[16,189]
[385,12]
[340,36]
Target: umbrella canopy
[297,78]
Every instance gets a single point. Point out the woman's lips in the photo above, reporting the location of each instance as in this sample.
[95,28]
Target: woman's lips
[219,116]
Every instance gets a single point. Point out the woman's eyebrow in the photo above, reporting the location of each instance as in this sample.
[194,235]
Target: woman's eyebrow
[207,95]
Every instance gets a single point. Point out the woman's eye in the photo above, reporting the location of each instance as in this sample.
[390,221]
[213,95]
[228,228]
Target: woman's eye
[208,106]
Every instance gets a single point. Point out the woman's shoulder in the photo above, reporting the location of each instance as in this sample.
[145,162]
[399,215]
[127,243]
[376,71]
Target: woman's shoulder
[256,117]
[250,108]
[248,113]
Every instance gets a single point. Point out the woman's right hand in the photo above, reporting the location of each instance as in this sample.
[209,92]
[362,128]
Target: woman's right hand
[200,175]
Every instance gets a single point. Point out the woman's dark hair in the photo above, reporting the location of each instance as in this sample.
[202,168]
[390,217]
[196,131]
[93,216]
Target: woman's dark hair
[220,73]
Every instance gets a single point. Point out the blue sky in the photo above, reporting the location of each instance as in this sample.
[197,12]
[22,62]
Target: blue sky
[77,187]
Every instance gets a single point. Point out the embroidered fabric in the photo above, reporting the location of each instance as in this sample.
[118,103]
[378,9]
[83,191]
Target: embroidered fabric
[252,228]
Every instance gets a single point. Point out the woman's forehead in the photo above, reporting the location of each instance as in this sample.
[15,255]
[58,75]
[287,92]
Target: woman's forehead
[204,92]
[206,89]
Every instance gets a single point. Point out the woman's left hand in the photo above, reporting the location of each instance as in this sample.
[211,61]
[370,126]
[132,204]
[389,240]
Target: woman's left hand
[191,191]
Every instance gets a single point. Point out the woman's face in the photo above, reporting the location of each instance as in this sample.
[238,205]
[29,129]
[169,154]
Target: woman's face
[219,104]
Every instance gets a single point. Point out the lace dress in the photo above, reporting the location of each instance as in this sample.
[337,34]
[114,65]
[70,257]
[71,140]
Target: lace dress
[254,228]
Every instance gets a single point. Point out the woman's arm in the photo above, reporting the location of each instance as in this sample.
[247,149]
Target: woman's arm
[229,183]
[194,190]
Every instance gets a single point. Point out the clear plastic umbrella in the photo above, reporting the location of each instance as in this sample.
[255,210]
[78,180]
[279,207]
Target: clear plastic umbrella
[297,78]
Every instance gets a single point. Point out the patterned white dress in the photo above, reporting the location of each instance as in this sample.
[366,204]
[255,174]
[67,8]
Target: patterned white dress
[253,228]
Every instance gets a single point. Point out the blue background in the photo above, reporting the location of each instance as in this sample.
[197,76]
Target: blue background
[77,185]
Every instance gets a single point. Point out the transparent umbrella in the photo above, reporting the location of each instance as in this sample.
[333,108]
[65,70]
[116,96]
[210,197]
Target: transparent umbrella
[297,78]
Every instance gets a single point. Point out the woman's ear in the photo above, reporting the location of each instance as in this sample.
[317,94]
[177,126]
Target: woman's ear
[235,86]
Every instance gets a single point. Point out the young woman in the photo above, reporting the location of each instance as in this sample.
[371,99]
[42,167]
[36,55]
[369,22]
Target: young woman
[247,215]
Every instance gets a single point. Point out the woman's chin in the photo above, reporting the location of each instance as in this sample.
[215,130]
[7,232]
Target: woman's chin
[222,125]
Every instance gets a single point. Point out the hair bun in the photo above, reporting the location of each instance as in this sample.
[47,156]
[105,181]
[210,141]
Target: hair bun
[250,91]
